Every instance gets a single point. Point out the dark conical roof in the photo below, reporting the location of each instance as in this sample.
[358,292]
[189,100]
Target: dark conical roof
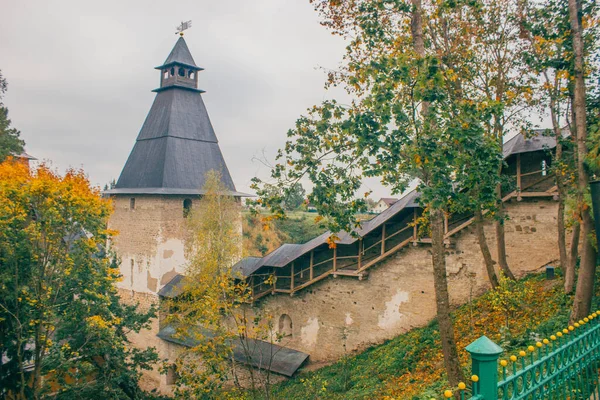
[176,146]
[180,55]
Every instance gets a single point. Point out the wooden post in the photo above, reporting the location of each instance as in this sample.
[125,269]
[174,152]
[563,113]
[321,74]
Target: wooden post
[415,227]
[382,239]
[274,274]
[334,259]
[360,245]
[312,263]
[292,278]
[518,177]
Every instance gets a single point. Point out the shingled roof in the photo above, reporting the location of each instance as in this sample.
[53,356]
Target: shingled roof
[177,144]
[256,353]
[180,55]
[538,139]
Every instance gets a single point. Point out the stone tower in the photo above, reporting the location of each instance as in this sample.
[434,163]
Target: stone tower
[163,179]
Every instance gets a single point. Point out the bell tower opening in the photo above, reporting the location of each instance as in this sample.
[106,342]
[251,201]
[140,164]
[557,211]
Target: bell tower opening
[179,70]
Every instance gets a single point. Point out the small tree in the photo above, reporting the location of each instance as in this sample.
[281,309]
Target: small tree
[509,297]
[63,329]
[212,313]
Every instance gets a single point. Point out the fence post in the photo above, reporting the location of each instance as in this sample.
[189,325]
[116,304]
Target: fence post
[484,360]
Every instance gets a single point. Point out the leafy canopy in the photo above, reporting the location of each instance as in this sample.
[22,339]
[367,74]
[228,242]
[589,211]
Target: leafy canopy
[60,311]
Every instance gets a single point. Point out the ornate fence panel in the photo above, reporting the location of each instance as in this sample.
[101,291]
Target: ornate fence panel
[564,366]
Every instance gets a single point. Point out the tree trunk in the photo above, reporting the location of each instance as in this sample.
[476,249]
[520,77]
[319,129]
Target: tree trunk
[560,221]
[485,250]
[451,361]
[573,254]
[442,300]
[500,239]
[587,267]
[562,192]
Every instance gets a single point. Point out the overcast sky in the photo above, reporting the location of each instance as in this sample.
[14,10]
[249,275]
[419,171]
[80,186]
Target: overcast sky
[80,75]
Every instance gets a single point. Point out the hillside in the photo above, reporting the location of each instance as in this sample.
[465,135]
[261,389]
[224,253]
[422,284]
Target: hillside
[262,237]
[410,365]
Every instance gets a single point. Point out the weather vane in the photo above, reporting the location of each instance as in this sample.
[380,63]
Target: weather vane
[184,25]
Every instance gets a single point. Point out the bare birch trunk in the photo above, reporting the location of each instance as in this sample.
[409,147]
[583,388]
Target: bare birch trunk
[587,267]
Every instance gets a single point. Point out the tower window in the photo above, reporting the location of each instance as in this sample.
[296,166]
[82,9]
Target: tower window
[172,71]
[171,375]
[187,207]
[191,74]
[132,203]
[181,71]
[285,325]
[166,74]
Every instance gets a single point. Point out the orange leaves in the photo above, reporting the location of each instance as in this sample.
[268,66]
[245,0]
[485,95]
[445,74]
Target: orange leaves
[471,321]
[331,241]
[418,160]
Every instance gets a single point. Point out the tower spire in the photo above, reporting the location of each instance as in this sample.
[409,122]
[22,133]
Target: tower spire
[177,144]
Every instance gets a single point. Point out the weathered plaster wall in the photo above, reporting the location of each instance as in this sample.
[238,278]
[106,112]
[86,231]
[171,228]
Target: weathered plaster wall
[151,240]
[399,293]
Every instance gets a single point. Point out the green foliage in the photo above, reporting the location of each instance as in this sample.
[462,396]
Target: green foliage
[294,196]
[10,143]
[509,297]
[300,227]
[64,330]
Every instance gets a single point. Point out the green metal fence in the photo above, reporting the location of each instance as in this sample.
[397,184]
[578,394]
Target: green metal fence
[564,366]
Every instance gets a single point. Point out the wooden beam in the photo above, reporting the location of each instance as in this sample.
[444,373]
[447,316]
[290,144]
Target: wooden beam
[381,257]
[537,194]
[292,278]
[312,264]
[383,238]
[518,177]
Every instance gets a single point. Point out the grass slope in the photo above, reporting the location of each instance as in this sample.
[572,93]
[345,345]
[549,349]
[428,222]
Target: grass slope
[410,365]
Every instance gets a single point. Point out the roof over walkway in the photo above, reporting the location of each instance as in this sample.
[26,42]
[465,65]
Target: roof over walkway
[262,355]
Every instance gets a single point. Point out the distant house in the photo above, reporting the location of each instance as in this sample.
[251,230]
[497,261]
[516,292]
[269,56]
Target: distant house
[24,158]
[383,204]
[310,207]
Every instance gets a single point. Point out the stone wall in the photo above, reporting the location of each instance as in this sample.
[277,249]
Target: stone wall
[397,296]
[399,293]
[150,240]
